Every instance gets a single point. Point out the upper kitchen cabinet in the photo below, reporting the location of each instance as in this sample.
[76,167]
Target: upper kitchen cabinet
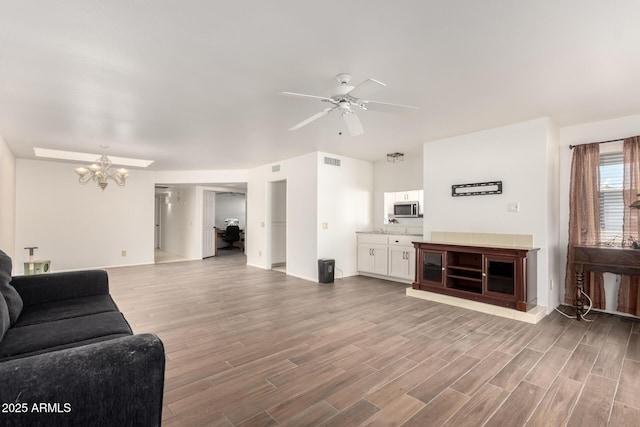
[402,196]
[406,196]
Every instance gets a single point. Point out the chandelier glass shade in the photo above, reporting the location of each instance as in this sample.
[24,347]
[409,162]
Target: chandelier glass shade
[101,171]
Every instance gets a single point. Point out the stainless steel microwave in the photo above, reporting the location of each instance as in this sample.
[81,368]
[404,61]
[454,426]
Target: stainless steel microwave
[406,209]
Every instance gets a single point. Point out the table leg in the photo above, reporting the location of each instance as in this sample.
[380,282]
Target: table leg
[579,298]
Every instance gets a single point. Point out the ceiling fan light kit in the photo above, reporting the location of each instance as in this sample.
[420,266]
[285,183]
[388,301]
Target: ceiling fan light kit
[395,157]
[345,98]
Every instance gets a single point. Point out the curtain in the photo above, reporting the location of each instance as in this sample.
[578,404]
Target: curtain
[584,220]
[628,297]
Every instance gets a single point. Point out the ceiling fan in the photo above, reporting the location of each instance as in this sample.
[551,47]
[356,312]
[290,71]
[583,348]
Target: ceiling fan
[346,98]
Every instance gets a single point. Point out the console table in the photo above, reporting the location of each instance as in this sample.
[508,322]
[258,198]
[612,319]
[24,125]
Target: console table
[603,259]
[493,275]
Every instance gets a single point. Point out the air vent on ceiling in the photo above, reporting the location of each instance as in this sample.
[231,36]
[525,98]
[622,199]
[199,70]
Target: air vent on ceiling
[275,168]
[331,161]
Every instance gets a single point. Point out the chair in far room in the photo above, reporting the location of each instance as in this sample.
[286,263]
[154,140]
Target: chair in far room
[231,235]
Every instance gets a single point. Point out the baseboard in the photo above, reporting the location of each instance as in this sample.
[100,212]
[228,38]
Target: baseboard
[100,267]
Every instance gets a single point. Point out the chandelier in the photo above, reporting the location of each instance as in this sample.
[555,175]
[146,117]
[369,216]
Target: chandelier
[101,172]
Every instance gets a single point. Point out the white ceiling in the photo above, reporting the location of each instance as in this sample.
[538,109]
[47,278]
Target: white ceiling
[194,84]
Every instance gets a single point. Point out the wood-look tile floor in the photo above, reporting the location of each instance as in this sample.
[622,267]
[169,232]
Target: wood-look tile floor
[249,347]
[161,256]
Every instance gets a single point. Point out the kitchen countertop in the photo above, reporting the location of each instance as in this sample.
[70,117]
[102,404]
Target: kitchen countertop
[477,245]
[391,233]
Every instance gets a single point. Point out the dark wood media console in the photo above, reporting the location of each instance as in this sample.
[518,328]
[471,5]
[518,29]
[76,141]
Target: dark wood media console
[498,276]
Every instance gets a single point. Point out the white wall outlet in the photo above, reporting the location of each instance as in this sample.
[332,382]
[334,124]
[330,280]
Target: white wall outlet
[513,207]
[550,283]
[123,253]
[325,225]
[259,253]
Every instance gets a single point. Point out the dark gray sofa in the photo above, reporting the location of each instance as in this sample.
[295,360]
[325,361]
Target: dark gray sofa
[68,356]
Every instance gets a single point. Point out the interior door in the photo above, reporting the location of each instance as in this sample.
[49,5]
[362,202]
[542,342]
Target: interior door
[208,225]
[157,218]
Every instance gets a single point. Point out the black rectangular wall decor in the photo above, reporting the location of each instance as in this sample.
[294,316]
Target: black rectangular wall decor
[477,189]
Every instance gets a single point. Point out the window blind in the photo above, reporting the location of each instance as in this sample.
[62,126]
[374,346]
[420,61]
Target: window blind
[611,198]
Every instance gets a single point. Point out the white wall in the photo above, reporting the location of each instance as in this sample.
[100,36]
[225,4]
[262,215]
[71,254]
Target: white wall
[316,193]
[201,176]
[345,200]
[517,155]
[7,199]
[80,226]
[605,130]
[231,205]
[553,215]
[301,176]
[392,177]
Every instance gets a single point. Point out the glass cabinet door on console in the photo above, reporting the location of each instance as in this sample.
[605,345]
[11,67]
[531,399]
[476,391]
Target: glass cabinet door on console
[432,267]
[500,275]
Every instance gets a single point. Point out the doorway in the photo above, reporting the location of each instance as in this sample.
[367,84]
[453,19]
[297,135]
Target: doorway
[186,214]
[209,235]
[279,225]
[163,227]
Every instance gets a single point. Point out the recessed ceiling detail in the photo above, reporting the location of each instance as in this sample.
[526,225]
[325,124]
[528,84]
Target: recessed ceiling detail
[88,157]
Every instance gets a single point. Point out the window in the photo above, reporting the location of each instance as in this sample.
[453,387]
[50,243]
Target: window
[611,198]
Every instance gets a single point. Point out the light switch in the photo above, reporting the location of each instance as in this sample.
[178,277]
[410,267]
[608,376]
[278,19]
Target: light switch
[513,207]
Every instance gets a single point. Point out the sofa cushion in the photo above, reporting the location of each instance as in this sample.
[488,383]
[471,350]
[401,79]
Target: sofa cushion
[56,335]
[4,317]
[49,287]
[65,309]
[11,296]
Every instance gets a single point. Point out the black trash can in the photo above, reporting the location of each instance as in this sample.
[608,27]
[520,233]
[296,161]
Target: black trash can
[326,266]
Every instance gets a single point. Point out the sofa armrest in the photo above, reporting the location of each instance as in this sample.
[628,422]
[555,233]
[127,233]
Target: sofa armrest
[41,288]
[111,383]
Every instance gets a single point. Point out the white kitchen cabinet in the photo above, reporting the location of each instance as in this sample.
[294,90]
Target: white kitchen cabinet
[409,196]
[387,256]
[372,259]
[372,253]
[402,258]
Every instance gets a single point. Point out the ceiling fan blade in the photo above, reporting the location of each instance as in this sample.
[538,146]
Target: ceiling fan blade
[366,88]
[312,118]
[386,107]
[304,95]
[353,124]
